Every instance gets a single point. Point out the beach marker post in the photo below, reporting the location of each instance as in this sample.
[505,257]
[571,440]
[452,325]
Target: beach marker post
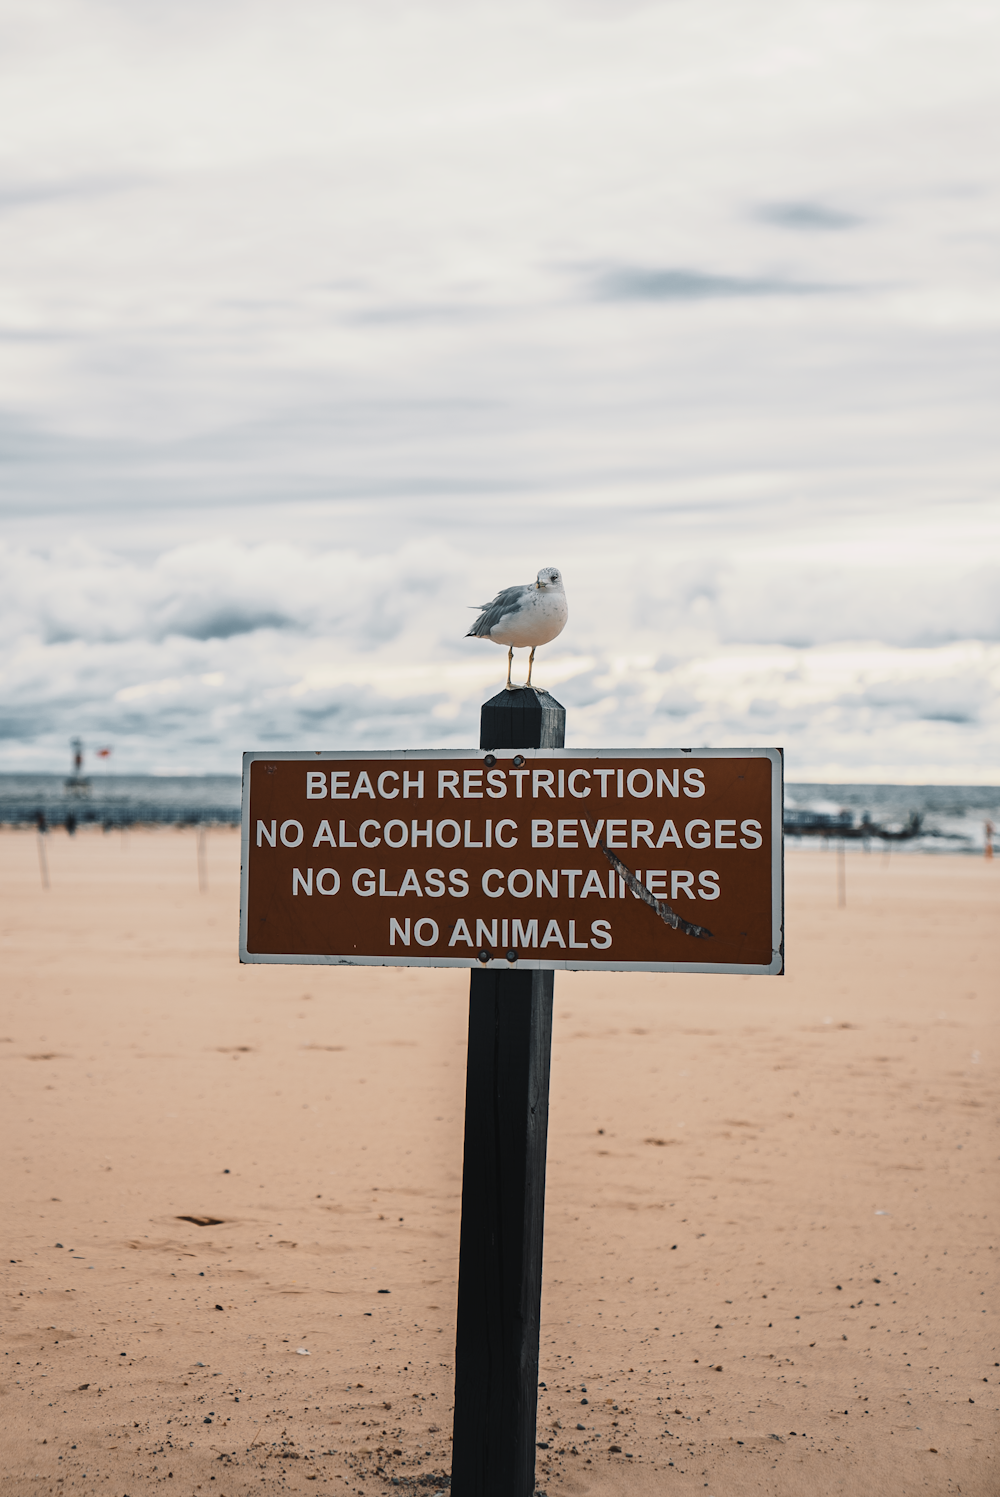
[202,863]
[503,1183]
[41,829]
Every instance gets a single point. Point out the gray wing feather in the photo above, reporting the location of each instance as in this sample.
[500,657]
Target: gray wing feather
[505,602]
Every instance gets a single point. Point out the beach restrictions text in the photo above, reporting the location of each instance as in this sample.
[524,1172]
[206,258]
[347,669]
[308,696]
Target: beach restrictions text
[653,859]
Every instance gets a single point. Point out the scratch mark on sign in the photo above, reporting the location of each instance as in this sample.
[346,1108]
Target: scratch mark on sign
[658,906]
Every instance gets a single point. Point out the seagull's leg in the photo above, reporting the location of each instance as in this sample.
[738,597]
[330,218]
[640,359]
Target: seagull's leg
[510,662]
[531,661]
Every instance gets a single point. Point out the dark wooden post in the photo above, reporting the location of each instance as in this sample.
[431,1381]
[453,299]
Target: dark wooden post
[503,1185]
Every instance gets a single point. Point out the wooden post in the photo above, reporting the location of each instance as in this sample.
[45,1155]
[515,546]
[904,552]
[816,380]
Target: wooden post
[523,718]
[202,862]
[43,860]
[503,1185]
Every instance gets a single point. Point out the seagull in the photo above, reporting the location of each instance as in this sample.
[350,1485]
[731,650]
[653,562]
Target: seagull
[531,615]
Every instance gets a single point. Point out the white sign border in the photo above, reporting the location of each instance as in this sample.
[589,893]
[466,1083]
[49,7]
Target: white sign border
[775,968]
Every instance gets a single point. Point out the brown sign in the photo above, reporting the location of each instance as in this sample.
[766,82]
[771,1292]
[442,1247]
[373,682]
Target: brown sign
[650,860]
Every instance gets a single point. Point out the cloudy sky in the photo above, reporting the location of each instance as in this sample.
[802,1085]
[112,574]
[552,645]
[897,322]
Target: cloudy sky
[320,322]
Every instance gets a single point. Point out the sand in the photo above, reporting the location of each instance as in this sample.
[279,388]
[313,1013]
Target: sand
[770,1252]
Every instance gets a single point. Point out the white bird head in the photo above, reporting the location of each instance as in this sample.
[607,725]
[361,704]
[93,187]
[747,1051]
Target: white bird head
[549,577]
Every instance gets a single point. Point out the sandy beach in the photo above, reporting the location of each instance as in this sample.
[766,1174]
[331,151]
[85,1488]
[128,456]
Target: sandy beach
[770,1238]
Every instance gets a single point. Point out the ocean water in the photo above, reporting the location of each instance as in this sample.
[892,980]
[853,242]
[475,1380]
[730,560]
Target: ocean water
[121,800]
[953,817]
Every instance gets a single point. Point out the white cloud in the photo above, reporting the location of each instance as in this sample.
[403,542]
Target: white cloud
[369,652]
[319,323]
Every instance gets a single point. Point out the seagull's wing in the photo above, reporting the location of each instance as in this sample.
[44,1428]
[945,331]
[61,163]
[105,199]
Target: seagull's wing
[492,613]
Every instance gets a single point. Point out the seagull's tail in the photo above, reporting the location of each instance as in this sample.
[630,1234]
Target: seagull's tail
[481,628]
